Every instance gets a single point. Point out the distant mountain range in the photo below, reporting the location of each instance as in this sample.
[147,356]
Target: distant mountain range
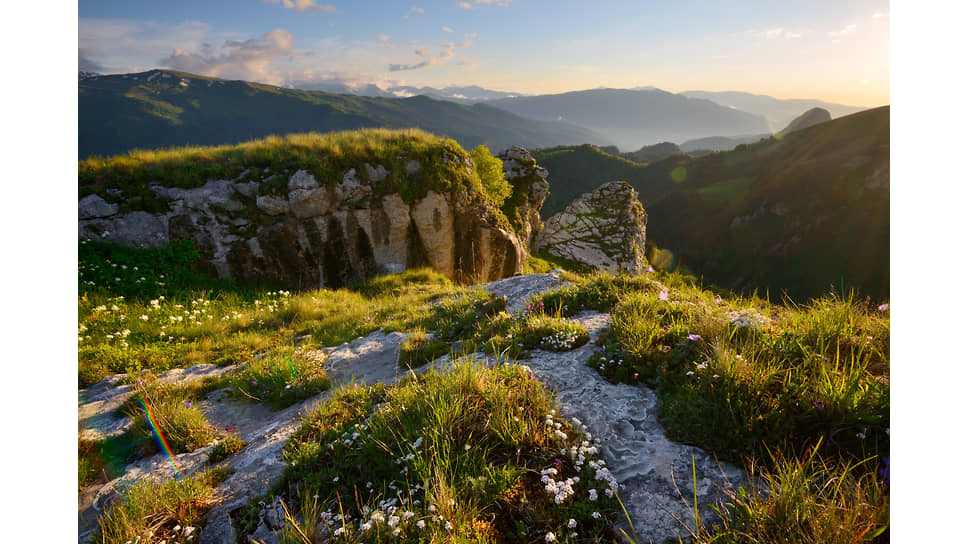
[636,118]
[470,94]
[159,108]
[631,118]
[778,112]
[797,213]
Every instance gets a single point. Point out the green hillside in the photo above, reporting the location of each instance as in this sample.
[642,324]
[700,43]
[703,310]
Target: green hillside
[162,108]
[574,170]
[799,214]
[795,214]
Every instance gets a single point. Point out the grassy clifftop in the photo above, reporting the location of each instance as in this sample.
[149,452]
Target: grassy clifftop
[416,162]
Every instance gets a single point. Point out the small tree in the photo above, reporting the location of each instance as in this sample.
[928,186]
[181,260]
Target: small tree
[491,171]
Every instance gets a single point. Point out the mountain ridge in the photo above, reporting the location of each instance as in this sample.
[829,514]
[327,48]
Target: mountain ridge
[160,108]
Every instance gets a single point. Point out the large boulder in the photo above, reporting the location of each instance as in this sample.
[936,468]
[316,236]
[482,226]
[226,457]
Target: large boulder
[604,229]
[311,234]
[530,189]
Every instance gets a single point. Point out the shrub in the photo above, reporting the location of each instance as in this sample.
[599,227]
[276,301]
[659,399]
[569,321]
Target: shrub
[491,171]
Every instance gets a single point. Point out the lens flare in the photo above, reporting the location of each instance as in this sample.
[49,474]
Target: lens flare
[678,174]
[160,437]
[664,259]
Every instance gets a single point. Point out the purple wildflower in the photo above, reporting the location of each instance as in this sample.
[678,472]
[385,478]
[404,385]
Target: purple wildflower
[886,471]
[557,463]
[650,269]
[228,428]
[188,404]
[664,295]
[883,307]
[694,337]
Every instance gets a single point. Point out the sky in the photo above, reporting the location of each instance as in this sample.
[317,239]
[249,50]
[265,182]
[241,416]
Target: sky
[827,50]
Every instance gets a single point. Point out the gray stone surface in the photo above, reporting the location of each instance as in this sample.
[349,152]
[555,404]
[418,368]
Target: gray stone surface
[518,289]
[370,359]
[218,527]
[655,473]
[604,229]
[93,206]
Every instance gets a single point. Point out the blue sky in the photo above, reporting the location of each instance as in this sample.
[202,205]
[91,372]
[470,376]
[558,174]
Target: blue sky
[832,50]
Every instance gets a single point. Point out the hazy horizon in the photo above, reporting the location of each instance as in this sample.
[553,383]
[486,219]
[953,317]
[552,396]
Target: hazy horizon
[832,51]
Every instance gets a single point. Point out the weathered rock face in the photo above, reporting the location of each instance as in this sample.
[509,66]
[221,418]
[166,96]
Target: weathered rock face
[604,229]
[319,235]
[528,179]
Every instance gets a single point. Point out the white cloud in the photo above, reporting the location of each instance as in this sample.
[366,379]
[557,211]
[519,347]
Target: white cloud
[121,46]
[779,32]
[470,36]
[467,5]
[303,5]
[446,29]
[252,59]
[413,10]
[383,38]
[466,43]
[880,15]
[847,30]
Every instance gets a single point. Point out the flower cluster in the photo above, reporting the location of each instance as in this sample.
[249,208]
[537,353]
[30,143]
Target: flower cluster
[560,341]
[560,489]
[747,318]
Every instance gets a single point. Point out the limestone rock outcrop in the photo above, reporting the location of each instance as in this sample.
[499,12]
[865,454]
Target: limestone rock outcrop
[604,229]
[309,234]
[529,186]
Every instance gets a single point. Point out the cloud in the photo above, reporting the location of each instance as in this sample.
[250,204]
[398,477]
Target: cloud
[413,10]
[303,5]
[849,29]
[779,32]
[446,29]
[470,36]
[880,15]
[467,5]
[85,64]
[446,54]
[124,46]
[383,38]
[466,43]
[252,59]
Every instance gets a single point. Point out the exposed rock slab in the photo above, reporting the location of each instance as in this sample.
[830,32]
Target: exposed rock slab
[655,473]
[604,229]
[518,289]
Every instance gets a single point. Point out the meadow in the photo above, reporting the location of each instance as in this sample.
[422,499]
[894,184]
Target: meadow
[797,393]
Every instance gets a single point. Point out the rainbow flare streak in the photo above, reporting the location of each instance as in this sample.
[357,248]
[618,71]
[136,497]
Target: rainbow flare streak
[160,437]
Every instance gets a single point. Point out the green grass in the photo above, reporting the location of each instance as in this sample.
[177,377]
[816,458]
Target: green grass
[124,327]
[226,448]
[176,418]
[418,350]
[327,156]
[448,457]
[282,377]
[799,393]
[150,511]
